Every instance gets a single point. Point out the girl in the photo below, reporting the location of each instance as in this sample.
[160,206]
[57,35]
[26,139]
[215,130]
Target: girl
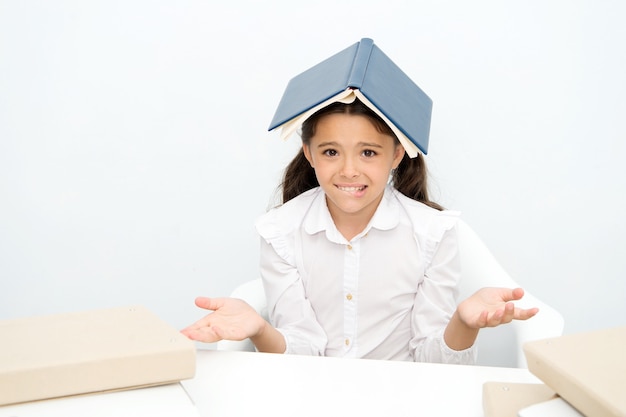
[358,262]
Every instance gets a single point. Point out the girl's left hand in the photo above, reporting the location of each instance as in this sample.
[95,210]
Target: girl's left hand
[490,307]
[231,319]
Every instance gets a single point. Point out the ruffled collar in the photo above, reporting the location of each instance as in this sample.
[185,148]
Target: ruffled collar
[318,217]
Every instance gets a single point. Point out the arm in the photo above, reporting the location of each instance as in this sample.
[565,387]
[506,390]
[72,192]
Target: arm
[234,319]
[447,332]
[288,306]
[436,302]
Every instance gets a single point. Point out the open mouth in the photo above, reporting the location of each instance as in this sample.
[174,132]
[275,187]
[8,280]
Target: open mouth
[352,189]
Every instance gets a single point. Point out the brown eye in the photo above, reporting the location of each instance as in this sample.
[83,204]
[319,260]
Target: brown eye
[368,153]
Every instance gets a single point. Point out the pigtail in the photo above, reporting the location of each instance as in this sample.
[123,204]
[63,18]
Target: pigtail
[299,177]
[410,178]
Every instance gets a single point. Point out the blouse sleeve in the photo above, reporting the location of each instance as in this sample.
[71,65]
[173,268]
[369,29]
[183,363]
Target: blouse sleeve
[436,297]
[288,308]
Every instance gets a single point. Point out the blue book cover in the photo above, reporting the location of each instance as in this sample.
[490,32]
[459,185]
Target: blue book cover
[363,71]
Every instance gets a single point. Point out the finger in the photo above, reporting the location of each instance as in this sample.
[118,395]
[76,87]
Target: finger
[209,303]
[511,294]
[517,294]
[508,313]
[199,324]
[204,334]
[496,318]
[525,314]
[227,334]
[483,319]
[187,331]
[500,316]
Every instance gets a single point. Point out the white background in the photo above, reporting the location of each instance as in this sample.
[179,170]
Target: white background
[134,157]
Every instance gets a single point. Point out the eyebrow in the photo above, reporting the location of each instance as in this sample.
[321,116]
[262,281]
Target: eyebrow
[362,144]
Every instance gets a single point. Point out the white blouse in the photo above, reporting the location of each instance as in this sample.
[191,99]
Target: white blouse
[386,294]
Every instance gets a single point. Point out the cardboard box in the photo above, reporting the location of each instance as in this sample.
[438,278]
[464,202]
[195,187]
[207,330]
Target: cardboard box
[588,369]
[93,351]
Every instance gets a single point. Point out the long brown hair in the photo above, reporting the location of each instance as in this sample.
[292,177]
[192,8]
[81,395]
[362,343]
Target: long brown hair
[410,177]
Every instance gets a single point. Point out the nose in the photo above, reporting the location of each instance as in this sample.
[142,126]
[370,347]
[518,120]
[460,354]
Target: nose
[349,168]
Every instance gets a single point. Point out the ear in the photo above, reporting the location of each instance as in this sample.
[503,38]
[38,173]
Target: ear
[398,155]
[306,149]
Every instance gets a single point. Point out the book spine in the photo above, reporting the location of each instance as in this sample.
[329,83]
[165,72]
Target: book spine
[360,63]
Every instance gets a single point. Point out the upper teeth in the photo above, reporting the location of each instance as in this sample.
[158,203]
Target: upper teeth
[351,188]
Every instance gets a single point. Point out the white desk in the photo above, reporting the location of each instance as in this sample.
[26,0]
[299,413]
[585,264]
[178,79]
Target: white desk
[246,384]
[249,384]
[161,401]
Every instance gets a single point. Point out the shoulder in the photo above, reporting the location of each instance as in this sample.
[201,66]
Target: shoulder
[282,220]
[278,227]
[427,222]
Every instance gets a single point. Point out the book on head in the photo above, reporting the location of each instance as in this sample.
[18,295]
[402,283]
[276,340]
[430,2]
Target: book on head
[361,71]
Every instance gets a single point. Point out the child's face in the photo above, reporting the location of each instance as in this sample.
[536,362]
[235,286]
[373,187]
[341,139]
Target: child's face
[352,162]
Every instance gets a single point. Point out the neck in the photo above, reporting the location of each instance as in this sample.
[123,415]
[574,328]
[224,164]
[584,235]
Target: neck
[349,231]
[351,224]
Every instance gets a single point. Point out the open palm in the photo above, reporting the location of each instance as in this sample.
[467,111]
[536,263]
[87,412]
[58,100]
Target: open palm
[231,319]
[490,307]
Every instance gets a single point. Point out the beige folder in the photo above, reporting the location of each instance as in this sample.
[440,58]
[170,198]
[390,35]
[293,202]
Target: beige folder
[85,352]
[588,369]
[505,399]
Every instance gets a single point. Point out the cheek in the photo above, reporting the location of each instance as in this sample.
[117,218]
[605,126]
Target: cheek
[321,169]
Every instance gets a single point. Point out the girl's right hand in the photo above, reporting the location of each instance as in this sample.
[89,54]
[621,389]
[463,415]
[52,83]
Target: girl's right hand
[231,319]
